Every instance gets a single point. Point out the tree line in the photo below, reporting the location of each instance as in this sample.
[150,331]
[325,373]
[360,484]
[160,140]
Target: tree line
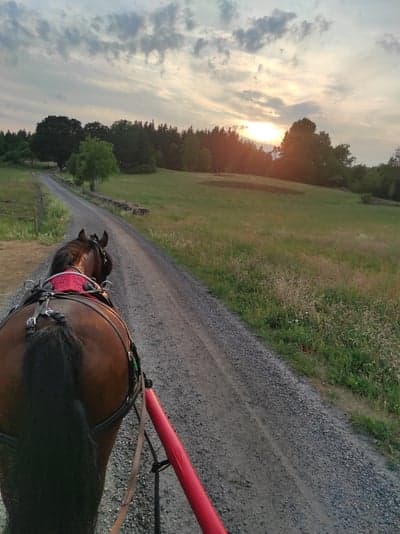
[304,154]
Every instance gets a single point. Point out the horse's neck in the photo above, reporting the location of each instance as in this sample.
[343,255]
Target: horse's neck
[76,269]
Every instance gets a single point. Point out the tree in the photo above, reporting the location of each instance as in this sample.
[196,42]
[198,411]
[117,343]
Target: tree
[205,160]
[72,168]
[19,153]
[174,156]
[191,150]
[390,177]
[298,151]
[2,143]
[97,130]
[356,178]
[94,161]
[15,147]
[55,139]
[163,138]
[343,154]
[132,147]
[308,156]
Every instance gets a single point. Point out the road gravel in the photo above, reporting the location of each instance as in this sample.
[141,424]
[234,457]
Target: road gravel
[272,455]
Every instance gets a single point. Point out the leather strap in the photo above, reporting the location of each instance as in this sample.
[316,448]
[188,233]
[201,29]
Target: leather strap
[131,488]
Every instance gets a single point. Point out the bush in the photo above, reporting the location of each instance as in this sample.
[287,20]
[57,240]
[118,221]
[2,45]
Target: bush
[144,168]
[366,198]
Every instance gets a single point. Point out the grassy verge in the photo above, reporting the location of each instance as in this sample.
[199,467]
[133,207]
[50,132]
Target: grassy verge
[27,212]
[315,273]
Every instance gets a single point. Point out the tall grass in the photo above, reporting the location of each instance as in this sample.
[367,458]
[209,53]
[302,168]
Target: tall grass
[26,212]
[52,226]
[315,274]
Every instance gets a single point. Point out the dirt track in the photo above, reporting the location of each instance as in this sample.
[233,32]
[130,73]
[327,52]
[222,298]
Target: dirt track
[272,456]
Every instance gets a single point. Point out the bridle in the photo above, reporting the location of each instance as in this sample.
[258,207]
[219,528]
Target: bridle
[94,240]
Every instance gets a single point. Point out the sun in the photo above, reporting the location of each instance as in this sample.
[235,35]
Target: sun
[263,132]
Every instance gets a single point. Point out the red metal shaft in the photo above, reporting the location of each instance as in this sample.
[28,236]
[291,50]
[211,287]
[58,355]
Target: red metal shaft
[202,507]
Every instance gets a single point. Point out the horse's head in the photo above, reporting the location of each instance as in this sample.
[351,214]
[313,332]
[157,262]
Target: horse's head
[86,254]
[103,262]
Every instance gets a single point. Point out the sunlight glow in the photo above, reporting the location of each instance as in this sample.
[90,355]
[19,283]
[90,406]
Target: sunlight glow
[263,132]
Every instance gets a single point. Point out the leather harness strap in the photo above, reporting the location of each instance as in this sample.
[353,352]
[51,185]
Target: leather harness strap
[134,370]
[131,488]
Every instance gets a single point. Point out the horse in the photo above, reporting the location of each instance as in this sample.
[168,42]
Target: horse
[69,372]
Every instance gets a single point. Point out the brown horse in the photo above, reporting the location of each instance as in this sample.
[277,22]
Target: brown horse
[68,374]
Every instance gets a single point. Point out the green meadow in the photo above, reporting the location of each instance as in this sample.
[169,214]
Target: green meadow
[26,211]
[313,271]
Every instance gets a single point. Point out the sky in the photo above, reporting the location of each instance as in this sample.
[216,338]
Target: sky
[253,65]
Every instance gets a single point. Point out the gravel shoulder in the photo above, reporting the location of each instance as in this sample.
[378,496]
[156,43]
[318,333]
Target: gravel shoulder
[273,457]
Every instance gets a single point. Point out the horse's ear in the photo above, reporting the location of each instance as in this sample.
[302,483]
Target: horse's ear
[82,236]
[104,240]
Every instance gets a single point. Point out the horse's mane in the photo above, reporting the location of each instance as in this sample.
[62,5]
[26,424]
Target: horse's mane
[68,255]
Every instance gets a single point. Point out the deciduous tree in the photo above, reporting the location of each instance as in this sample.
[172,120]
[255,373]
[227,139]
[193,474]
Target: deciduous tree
[308,156]
[97,130]
[55,139]
[94,161]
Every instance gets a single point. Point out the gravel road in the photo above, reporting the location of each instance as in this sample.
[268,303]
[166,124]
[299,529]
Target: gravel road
[273,457]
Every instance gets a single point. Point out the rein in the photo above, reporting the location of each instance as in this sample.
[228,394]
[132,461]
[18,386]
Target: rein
[131,488]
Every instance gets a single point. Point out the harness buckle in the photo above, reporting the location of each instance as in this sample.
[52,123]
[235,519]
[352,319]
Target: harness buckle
[106,285]
[29,285]
[31,323]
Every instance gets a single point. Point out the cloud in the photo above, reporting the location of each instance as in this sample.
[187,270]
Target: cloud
[199,45]
[264,30]
[390,43]
[188,15]
[165,17]
[222,46]
[12,10]
[306,28]
[339,90]
[165,34]
[275,107]
[300,110]
[43,29]
[268,29]
[121,35]
[125,25]
[217,47]
[59,96]
[14,34]
[261,99]
[161,42]
[227,9]
[113,36]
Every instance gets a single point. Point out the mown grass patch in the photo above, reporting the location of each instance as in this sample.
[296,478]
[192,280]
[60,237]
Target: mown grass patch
[316,274]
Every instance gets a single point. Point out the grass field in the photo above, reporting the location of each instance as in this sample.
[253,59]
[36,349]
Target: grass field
[26,211]
[30,222]
[313,271]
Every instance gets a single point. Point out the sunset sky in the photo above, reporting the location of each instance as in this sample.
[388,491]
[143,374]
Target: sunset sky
[256,65]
